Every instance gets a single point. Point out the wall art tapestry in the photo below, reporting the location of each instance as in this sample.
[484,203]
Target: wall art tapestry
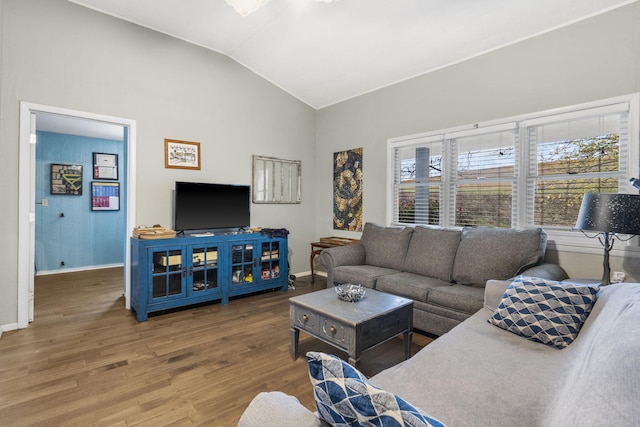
[66,179]
[347,190]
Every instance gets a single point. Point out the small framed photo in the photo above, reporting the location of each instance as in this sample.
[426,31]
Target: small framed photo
[105,166]
[66,179]
[105,196]
[181,154]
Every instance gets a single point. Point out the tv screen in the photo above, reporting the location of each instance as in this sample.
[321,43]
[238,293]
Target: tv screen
[201,206]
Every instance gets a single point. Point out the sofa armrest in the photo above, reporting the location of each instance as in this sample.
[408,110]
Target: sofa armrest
[493,292]
[278,409]
[547,271]
[341,255]
[495,289]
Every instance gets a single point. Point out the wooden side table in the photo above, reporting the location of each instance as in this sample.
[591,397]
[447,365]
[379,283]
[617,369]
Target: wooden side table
[351,326]
[327,242]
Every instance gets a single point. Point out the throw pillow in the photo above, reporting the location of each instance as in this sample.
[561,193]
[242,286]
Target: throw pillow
[345,398]
[545,311]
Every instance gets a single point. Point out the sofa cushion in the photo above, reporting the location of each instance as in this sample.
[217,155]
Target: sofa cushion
[408,285]
[365,275]
[275,408]
[545,311]
[432,251]
[467,299]
[496,253]
[344,397]
[385,246]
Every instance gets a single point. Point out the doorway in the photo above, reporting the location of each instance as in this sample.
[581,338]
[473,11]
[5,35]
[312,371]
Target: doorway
[27,188]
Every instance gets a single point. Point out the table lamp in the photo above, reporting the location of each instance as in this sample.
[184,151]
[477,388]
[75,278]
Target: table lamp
[609,214]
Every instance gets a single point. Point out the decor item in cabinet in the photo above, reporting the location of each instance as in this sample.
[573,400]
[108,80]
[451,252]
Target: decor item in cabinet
[169,273]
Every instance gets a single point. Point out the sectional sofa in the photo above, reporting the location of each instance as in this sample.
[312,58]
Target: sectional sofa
[479,374]
[444,270]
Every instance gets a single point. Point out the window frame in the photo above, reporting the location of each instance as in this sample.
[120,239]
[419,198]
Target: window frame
[563,239]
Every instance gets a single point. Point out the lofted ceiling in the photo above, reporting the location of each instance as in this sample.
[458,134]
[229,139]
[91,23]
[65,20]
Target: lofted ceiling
[324,53]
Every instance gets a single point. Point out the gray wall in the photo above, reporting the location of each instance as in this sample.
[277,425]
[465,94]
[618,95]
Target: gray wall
[56,53]
[590,60]
[60,54]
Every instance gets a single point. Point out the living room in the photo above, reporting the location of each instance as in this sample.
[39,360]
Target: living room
[57,53]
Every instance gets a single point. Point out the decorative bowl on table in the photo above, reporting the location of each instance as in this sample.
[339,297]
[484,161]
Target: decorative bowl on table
[349,291]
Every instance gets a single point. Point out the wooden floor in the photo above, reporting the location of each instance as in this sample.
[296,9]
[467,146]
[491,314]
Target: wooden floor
[85,361]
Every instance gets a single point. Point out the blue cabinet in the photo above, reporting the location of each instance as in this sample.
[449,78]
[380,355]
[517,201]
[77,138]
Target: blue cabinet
[169,273]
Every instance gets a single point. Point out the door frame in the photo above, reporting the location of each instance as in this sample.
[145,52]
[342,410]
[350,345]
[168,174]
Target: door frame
[26,200]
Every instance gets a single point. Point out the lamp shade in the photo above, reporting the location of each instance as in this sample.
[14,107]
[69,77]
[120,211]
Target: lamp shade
[610,213]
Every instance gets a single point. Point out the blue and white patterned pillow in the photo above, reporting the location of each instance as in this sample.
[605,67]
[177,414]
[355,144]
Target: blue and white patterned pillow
[545,311]
[344,397]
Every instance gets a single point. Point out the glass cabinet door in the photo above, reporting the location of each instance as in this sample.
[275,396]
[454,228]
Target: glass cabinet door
[204,270]
[241,264]
[270,260]
[167,274]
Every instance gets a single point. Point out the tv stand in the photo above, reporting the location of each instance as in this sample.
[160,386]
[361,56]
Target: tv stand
[170,273]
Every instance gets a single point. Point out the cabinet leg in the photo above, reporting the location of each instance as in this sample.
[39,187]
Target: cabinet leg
[295,336]
[141,316]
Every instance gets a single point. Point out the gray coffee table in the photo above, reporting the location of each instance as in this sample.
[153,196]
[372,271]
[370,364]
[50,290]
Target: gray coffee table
[351,326]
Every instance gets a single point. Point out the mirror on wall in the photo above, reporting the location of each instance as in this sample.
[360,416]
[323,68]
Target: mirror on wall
[276,180]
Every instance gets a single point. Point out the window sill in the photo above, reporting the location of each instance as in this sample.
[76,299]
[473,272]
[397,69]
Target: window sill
[576,242]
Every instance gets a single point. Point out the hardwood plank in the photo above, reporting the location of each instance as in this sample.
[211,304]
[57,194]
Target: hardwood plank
[86,361]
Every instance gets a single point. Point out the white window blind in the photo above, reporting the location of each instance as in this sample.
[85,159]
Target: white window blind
[484,178]
[525,171]
[416,185]
[570,157]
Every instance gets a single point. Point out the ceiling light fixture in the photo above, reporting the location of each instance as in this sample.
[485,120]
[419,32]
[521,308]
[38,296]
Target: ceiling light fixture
[245,7]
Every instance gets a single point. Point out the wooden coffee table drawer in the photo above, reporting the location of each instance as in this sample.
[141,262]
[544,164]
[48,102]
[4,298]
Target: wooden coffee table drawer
[305,319]
[335,332]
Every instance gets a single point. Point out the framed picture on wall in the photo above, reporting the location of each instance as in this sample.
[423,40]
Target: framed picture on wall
[105,196]
[105,166]
[181,154]
[66,180]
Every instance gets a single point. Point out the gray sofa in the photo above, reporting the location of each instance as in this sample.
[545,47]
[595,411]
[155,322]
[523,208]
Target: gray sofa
[444,270]
[480,375]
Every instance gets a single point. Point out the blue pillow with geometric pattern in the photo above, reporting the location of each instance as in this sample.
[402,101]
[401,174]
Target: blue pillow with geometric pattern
[345,398]
[545,311]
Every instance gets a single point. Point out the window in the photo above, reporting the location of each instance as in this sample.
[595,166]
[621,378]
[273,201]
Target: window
[524,171]
[418,174]
[570,156]
[484,180]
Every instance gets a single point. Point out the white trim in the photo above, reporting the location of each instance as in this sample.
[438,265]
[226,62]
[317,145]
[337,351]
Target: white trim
[26,209]
[77,269]
[8,327]
[480,130]
[631,99]
[577,114]
[25,213]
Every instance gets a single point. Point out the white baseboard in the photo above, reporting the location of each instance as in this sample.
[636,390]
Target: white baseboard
[8,327]
[73,270]
[308,273]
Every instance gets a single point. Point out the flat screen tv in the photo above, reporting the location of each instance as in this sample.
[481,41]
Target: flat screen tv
[202,206]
